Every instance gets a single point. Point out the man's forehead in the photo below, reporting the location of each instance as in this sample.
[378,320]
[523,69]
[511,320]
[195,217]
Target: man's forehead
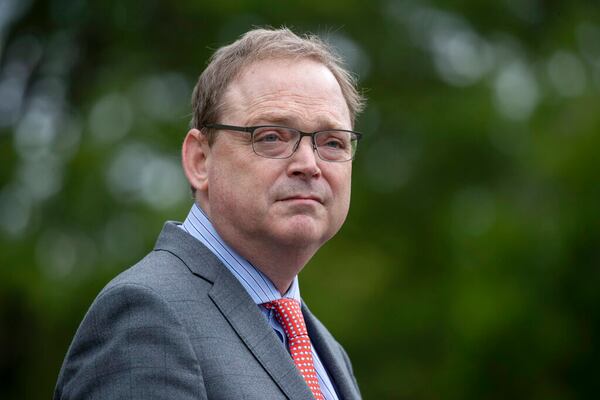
[274,73]
[280,90]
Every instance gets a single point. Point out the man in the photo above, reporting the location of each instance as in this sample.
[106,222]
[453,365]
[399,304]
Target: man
[214,311]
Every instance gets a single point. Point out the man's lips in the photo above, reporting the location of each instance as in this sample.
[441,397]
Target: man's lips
[301,197]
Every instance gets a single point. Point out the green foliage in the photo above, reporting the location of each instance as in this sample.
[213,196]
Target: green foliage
[469,266]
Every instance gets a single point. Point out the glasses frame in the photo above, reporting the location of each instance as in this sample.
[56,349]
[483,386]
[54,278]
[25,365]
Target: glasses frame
[252,129]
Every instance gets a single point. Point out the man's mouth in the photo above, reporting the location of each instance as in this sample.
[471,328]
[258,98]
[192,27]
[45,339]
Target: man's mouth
[303,198]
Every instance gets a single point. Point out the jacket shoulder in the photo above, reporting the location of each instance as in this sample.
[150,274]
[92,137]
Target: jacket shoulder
[161,272]
[132,342]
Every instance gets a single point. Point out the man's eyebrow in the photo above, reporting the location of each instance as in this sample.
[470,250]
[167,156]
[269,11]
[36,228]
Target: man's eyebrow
[292,122]
[273,118]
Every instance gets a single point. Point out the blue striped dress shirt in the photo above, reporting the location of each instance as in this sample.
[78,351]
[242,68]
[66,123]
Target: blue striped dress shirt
[258,286]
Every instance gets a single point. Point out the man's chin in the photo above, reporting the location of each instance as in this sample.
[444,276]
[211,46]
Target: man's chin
[302,231]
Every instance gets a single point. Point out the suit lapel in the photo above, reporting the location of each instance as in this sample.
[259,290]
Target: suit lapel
[331,357]
[238,308]
[246,319]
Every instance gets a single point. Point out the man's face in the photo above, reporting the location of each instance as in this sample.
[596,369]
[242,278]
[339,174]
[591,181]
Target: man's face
[299,201]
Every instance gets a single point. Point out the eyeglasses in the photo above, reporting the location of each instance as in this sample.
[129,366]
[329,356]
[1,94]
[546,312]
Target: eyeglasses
[273,141]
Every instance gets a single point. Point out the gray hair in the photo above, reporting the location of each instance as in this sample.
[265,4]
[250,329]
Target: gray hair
[259,44]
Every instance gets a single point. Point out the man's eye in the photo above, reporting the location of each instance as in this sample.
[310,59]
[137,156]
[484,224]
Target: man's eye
[333,141]
[334,144]
[270,136]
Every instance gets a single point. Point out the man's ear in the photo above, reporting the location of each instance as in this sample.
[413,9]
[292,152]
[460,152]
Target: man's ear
[194,157]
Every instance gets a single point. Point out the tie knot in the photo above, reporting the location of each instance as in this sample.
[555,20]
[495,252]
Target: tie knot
[289,315]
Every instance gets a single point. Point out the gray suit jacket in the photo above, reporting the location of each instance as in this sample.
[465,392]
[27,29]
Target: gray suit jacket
[178,325]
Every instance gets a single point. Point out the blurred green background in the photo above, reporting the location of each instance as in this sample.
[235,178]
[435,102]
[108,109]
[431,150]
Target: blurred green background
[469,267]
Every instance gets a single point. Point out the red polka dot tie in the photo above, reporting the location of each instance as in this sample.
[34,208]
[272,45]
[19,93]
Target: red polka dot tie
[289,315]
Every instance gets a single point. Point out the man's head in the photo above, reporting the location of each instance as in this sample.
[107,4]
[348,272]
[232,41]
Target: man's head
[272,207]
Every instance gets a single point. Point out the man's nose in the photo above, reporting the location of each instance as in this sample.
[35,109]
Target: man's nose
[305,160]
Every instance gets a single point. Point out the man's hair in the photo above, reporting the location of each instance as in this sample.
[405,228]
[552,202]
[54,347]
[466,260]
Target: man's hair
[260,44]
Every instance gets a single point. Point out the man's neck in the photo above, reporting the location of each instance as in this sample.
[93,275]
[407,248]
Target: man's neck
[280,265]
[277,261]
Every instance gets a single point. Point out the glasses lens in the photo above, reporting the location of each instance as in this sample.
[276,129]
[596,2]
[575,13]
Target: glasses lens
[336,145]
[274,141]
